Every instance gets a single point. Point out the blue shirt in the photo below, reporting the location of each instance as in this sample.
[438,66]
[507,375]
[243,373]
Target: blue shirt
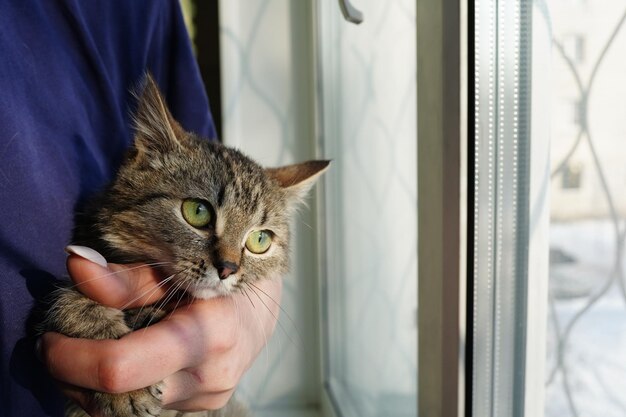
[66,70]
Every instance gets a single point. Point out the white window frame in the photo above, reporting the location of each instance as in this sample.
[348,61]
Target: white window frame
[442,86]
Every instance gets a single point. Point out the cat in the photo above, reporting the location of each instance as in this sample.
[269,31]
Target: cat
[214,219]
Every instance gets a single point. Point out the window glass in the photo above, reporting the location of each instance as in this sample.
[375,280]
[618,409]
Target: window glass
[586,338]
[369,107]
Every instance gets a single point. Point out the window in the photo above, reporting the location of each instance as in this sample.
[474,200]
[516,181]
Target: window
[511,195]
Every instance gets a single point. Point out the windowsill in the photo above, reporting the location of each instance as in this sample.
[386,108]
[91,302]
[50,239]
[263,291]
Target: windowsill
[287,412]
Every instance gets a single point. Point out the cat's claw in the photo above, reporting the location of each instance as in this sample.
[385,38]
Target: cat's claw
[156,391]
[146,409]
[140,403]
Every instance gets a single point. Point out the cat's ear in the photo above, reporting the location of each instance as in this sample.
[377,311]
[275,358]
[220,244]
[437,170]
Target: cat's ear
[156,131]
[298,179]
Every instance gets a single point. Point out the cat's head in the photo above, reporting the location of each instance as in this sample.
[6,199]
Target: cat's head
[214,217]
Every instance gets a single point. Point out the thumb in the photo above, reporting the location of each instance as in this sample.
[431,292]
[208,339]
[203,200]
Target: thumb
[114,285]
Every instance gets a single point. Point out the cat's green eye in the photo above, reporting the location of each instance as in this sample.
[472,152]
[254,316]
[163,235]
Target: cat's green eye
[196,212]
[259,241]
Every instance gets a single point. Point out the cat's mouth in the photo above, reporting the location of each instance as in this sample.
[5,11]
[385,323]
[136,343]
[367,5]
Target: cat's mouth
[210,286]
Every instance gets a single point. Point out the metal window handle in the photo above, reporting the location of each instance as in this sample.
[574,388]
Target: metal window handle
[350,13]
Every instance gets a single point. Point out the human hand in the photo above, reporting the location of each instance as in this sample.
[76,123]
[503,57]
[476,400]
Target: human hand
[200,351]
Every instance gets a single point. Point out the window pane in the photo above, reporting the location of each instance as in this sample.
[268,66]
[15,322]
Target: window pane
[369,107]
[586,346]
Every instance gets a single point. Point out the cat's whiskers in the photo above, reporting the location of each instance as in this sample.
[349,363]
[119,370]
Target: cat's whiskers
[150,290]
[161,304]
[307,225]
[172,291]
[258,319]
[157,308]
[119,272]
[176,290]
[237,311]
[182,295]
[293,323]
[280,324]
[154,289]
[246,293]
[275,318]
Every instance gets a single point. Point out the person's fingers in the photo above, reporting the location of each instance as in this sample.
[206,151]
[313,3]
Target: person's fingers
[82,397]
[120,286]
[220,375]
[75,361]
[145,356]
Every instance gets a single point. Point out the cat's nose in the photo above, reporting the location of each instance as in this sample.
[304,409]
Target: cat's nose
[225,269]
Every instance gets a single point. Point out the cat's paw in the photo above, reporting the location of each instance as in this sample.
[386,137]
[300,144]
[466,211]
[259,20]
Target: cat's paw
[75,315]
[145,402]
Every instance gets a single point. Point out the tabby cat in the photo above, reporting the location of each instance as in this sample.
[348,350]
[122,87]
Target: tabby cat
[214,218]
